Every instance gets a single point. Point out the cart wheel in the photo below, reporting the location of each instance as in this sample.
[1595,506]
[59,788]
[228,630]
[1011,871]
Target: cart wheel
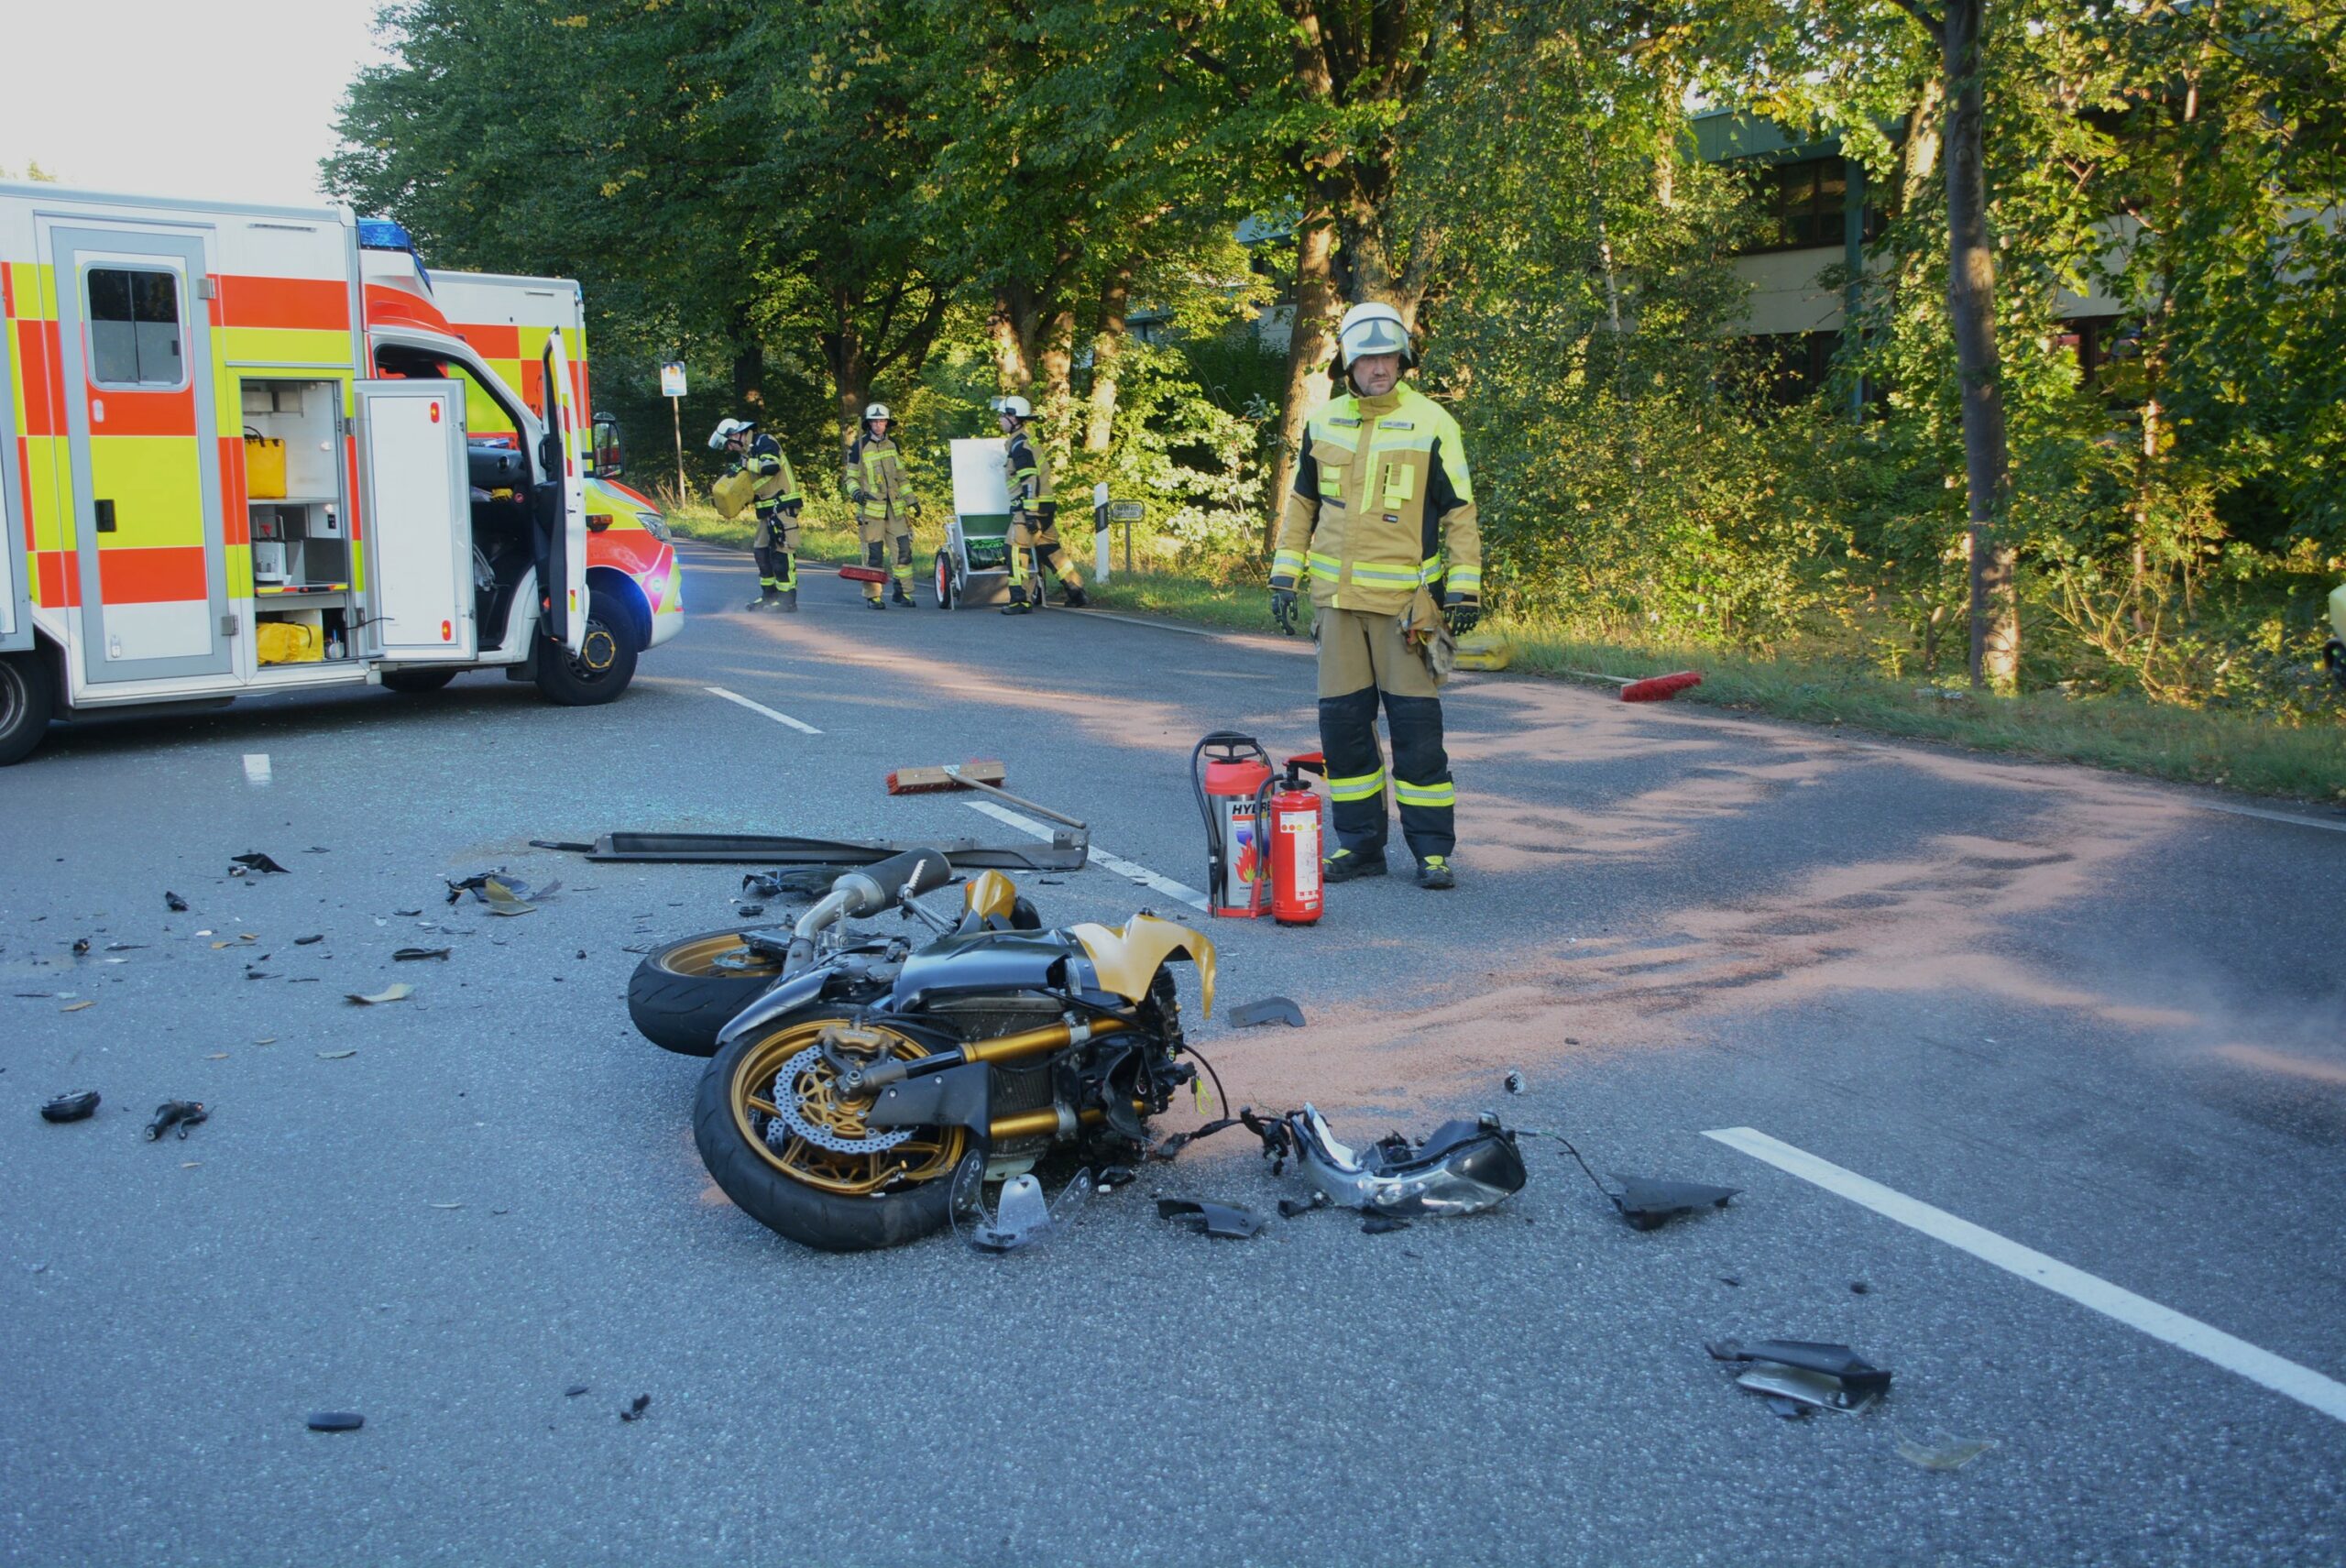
[944,580]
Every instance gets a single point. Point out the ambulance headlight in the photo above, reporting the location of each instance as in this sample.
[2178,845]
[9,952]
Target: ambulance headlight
[654,525]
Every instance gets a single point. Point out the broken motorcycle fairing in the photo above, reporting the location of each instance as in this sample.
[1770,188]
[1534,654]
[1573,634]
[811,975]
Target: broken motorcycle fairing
[1463,1168]
[847,1105]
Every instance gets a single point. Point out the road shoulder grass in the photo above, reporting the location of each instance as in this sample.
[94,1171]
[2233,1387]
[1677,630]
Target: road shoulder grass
[2202,746]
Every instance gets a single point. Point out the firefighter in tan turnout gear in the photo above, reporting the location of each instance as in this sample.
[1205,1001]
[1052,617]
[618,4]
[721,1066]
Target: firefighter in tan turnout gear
[1033,515]
[1382,505]
[778,503]
[884,505]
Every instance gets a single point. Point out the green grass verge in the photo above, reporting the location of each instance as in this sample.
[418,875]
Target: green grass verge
[2204,746]
[826,532]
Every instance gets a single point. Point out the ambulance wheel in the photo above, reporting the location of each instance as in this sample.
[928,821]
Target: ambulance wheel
[417,680]
[944,580]
[26,701]
[683,995]
[599,671]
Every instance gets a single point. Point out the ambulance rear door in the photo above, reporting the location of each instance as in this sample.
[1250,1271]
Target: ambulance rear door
[563,493]
[416,491]
[15,607]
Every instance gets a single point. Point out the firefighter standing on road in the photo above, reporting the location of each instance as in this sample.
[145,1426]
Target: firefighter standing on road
[1034,516]
[1381,496]
[778,503]
[884,505]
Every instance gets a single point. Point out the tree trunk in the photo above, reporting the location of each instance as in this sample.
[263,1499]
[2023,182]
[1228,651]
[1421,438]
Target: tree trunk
[1107,348]
[749,365]
[850,377]
[1971,309]
[1012,372]
[1306,354]
[1055,358]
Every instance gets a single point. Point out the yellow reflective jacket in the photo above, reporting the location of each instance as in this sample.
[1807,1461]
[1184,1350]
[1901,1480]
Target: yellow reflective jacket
[875,479]
[1028,475]
[1382,495]
[777,486]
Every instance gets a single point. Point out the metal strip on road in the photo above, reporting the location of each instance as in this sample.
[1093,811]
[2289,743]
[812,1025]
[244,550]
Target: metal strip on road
[798,724]
[1100,857]
[2304,1385]
[2290,818]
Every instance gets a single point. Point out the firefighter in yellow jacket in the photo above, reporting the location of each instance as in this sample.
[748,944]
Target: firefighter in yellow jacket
[1382,497]
[884,505]
[778,503]
[1033,515]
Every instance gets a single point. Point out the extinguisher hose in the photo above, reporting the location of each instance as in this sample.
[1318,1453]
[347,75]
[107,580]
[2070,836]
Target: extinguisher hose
[1217,853]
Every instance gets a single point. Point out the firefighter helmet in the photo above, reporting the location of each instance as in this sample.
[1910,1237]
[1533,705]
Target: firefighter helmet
[876,411]
[1371,328]
[1015,407]
[726,429]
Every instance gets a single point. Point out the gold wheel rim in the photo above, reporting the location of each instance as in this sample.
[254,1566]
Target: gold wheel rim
[930,1153]
[722,954]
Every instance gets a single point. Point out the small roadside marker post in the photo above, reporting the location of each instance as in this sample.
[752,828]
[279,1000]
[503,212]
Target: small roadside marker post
[1100,554]
[672,386]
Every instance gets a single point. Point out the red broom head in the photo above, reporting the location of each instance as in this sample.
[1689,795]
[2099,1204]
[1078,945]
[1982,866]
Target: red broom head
[863,574]
[1661,688]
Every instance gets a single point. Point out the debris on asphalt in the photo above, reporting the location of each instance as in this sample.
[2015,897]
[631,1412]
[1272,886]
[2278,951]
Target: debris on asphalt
[123,947]
[1225,1219]
[1179,1141]
[335,1421]
[80,944]
[76,1007]
[636,1406]
[1648,1203]
[411,913]
[575,1390]
[1378,1224]
[1022,1218]
[1112,1177]
[447,1205]
[1952,1454]
[761,885]
[1290,1208]
[504,900]
[336,1056]
[307,941]
[1270,1010]
[181,1113]
[256,861]
[1824,1377]
[409,955]
[1859,1287]
[174,902]
[70,1107]
[1462,1168]
[749,909]
[1514,1083]
[570,846]
[400,993]
[503,895]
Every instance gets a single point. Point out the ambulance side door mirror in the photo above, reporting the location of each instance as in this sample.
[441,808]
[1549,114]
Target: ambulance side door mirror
[611,454]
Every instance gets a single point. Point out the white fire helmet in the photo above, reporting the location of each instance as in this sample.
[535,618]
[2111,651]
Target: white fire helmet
[1371,328]
[876,411]
[1017,407]
[726,429]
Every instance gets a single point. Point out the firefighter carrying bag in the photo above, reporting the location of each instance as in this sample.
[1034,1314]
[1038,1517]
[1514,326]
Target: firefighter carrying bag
[263,466]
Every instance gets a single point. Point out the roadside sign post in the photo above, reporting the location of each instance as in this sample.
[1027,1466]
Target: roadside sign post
[672,386]
[1127,513]
[1101,552]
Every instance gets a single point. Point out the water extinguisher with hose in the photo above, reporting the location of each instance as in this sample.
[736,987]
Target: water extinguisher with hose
[1262,830]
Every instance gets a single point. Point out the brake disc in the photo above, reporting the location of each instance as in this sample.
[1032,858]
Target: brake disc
[789,1119]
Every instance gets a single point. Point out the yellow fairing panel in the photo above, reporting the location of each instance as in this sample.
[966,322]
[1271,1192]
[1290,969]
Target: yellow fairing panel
[990,895]
[1127,959]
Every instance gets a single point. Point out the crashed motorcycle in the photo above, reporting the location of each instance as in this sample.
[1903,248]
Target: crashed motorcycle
[842,1104]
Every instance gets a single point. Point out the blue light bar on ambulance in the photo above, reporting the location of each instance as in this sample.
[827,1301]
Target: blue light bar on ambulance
[389,234]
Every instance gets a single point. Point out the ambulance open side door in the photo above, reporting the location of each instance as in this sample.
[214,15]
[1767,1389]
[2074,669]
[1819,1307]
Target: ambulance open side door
[563,502]
[416,491]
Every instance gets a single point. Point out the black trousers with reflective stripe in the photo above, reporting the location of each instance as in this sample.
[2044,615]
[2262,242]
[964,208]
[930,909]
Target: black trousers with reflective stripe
[1348,736]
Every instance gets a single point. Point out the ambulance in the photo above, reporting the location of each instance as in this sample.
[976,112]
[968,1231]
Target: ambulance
[247,449]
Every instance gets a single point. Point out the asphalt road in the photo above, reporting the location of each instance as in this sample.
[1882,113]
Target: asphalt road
[2093,1016]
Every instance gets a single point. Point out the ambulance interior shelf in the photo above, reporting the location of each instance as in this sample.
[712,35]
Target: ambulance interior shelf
[296,519]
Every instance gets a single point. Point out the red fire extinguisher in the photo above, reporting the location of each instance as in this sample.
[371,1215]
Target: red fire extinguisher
[1230,784]
[1292,810]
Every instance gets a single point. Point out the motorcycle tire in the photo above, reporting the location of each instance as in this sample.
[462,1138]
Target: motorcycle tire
[682,996]
[751,1175]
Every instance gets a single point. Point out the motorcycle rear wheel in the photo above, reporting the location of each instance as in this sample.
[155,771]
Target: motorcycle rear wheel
[820,1197]
[681,995]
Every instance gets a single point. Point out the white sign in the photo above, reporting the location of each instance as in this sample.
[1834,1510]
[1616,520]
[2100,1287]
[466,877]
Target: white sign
[671,379]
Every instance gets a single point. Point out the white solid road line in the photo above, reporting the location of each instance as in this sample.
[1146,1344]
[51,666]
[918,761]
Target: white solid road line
[2302,1384]
[1100,857]
[257,767]
[798,724]
[2272,815]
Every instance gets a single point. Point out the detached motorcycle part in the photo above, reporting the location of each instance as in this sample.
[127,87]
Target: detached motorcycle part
[1068,850]
[1224,1220]
[1832,1376]
[682,996]
[1462,1169]
[1023,1219]
[1270,1010]
[1649,1203]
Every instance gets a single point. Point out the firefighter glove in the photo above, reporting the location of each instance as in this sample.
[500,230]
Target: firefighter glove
[1282,610]
[1465,611]
[916,507]
[793,508]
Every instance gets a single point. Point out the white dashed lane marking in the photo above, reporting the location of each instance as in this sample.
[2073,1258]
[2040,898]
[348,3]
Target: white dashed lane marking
[1100,857]
[779,717]
[2304,1385]
[257,767]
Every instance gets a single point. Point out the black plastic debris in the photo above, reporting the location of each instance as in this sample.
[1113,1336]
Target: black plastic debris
[70,1107]
[1806,1372]
[635,1407]
[309,941]
[1292,1208]
[1112,1177]
[570,846]
[1648,1203]
[1211,1218]
[410,954]
[80,944]
[1179,1141]
[174,902]
[1859,1287]
[256,861]
[574,1390]
[335,1421]
[181,1113]
[1514,1083]
[758,885]
[1378,1224]
[749,909]
[411,913]
[1270,1010]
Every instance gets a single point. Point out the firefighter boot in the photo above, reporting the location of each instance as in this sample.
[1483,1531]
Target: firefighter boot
[900,596]
[1434,873]
[1018,605]
[787,600]
[1075,596]
[1351,865]
[767,594]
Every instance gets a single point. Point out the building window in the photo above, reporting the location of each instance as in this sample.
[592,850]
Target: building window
[134,327]
[1801,205]
[1789,367]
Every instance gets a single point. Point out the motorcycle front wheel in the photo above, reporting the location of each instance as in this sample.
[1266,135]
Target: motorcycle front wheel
[794,1155]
